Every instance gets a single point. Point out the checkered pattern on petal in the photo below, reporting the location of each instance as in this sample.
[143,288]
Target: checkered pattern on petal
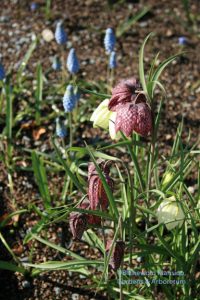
[117,254]
[91,219]
[77,223]
[122,93]
[134,117]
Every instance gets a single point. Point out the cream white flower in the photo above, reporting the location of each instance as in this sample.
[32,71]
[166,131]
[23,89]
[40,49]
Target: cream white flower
[170,213]
[112,131]
[101,115]
[104,118]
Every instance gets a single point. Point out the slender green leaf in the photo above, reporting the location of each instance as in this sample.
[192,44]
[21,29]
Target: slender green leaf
[41,178]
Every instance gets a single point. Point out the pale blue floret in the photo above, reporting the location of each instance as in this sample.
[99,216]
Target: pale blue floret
[112,60]
[60,34]
[72,62]
[182,40]
[109,40]
[69,99]
[56,64]
[60,129]
[2,72]
[34,6]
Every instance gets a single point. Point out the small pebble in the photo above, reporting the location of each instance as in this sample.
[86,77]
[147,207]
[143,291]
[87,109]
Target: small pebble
[26,284]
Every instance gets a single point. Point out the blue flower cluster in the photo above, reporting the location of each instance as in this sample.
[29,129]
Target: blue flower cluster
[60,129]
[112,60]
[60,34]
[71,97]
[72,62]
[109,40]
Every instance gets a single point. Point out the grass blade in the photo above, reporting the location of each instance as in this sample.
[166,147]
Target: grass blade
[41,178]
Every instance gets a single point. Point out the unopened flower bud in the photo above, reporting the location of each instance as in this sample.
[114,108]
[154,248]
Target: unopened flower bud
[96,192]
[117,254]
[170,213]
[78,224]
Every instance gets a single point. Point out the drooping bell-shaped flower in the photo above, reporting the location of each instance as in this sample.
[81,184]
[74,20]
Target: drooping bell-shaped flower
[132,111]
[78,224]
[69,99]
[91,219]
[96,192]
[117,253]
[60,34]
[101,115]
[170,213]
[104,118]
[109,40]
[72,62]
[134,117]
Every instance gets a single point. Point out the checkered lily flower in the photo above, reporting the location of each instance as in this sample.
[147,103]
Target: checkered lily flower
[132,111]
[96,192]
[91,219]
[78,224]
[117,253]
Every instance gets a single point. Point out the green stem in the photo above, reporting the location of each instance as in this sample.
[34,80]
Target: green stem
[70,130]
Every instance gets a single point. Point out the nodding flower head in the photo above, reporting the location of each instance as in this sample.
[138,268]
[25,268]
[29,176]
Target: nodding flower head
[101,115]
[117,253]
[72,62]
[56,64]
[69,99]
[2,72]
[60,34]
[60,129]
[91,219]
[112,60]
[182,40]
[96,192]
[170,213]
[109,40]
[132,111]
[78,224]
